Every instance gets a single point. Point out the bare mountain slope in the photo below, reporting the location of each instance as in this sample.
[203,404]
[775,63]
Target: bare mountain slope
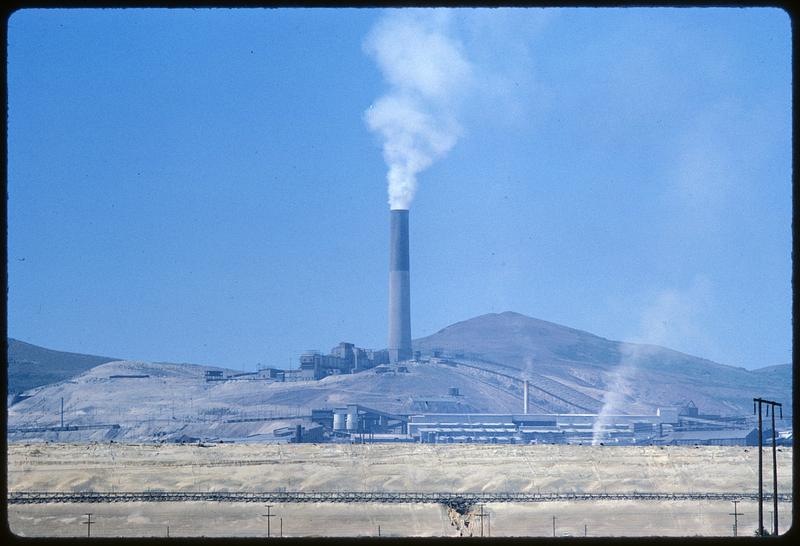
[569,371]
[647,375]
[515,339]
[166,401]
[30,366]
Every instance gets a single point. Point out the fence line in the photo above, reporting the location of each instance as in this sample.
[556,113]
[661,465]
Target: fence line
[44,497]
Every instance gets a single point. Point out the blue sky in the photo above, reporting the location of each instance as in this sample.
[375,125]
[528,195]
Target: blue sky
[205,185]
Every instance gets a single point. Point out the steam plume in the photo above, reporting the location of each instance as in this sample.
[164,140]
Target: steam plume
[669,319]
[426,70]
[617,390]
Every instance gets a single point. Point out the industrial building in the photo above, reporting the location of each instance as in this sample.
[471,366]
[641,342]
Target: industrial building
[730,437]
[356,420]
[567,428]
[346,358]
[669,426]
[343,359]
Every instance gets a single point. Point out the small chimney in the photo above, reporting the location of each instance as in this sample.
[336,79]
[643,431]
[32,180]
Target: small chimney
[525,397]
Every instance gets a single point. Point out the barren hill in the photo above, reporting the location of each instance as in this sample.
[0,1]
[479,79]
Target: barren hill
[484,358]
[31,366]
[167,401]
[647,375]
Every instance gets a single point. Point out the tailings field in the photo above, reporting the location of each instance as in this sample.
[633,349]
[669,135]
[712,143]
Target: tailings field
[392,468]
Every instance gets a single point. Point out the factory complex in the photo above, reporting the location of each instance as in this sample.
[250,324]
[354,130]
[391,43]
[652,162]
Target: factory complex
[441,394]
[669,426]
[440,421]
[345,358]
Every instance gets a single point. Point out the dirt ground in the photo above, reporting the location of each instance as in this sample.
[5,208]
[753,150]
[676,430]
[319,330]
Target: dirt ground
[411,467]
[191,519]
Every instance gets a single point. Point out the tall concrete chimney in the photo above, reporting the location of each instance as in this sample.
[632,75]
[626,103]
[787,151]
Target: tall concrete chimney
[399,287]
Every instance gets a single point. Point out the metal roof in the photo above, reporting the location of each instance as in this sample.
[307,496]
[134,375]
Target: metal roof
[710,434]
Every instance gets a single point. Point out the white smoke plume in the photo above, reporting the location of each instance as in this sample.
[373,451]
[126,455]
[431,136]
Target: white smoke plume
[671,317]
[617,390]
[427,72]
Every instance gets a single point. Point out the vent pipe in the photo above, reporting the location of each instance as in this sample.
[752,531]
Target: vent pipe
[525,397]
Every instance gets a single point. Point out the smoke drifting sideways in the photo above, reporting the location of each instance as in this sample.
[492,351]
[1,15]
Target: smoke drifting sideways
[671,316]
[426,70]
[617,390]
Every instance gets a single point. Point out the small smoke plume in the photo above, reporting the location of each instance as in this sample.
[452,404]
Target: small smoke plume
[670,318]
[427,72]
[617,390]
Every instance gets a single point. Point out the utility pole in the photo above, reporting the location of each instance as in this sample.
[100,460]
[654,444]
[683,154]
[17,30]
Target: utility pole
[379,530]
[88,524]
[735,515]
[775,471]
[774,514]
[760,476]
[62,412]
[281,520]
[481,515]
[268,515]
[554,526]
[585,529]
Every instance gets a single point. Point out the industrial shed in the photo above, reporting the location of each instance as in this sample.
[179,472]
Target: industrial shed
[731,437]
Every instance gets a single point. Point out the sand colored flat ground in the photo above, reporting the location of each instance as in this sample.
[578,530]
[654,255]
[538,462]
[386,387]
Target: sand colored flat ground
[382,467]
[608,518]
[387,467]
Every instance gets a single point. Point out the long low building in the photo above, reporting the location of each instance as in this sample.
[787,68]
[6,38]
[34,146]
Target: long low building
[665,427]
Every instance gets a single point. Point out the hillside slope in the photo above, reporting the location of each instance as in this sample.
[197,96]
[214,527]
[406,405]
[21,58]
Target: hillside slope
[166,401]
[31,366]
[486,358]
[646,376]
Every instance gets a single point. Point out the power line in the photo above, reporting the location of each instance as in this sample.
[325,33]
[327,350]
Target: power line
[735,513]
[775,470]
[268,515]
[88,524]
[760,473]
[768,403]
[481,515]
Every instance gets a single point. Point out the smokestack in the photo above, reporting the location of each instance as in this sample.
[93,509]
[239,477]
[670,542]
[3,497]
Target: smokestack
[399,287]
[525,398]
